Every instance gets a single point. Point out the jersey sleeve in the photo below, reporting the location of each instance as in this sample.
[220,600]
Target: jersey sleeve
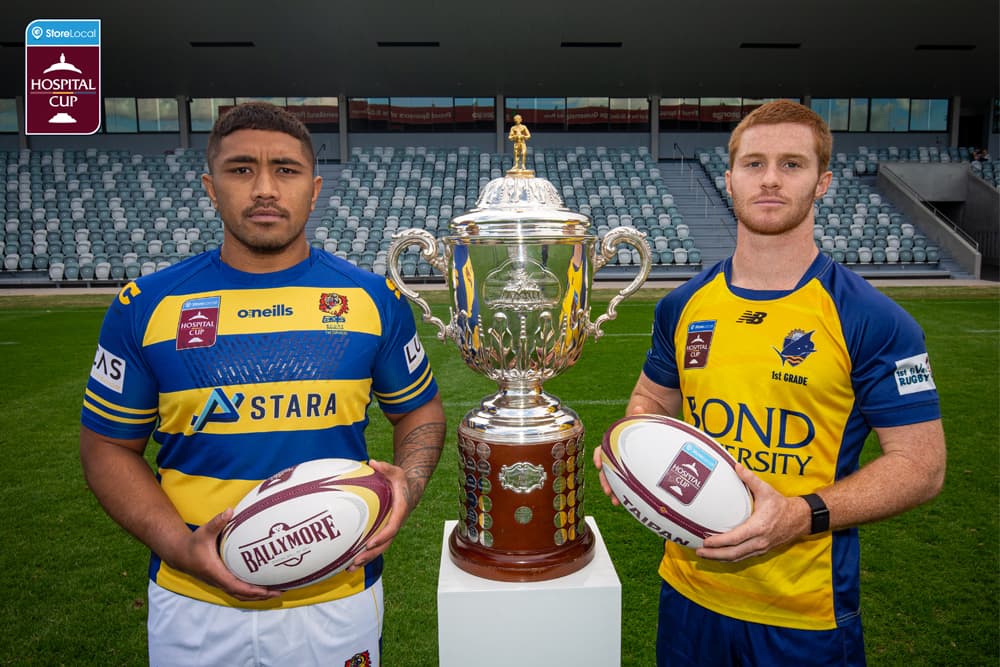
[661,359]
[891,370]
[402,379]
[121,397]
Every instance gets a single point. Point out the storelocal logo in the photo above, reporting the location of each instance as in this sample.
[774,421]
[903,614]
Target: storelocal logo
[62,76]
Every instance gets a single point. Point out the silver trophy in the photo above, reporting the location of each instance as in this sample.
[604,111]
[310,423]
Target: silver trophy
[520,267]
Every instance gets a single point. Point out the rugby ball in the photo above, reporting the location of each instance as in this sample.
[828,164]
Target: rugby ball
[306,523]
[676,480]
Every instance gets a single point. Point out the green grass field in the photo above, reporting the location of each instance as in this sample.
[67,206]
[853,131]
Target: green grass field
[74,583]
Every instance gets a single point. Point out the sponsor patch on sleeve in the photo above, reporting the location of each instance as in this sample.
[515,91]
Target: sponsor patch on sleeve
[109,370]
[414,353]
[913,374]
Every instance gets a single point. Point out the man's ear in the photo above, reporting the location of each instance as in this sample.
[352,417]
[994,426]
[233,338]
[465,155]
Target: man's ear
[209,185]
[823,184]
[317,187]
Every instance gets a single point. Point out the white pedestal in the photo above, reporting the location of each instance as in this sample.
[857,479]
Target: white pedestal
[572,620]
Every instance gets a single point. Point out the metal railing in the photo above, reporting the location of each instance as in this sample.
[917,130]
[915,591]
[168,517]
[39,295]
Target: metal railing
[916,196]
[319,153]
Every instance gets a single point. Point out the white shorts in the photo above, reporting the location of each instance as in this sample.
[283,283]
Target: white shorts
[184,632]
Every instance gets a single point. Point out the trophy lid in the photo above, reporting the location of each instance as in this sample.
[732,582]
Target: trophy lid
[520,204]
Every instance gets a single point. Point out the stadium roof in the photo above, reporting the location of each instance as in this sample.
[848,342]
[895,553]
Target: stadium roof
[372,48]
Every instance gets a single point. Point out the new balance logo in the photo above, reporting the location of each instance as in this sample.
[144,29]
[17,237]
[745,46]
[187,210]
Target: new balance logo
[751,317]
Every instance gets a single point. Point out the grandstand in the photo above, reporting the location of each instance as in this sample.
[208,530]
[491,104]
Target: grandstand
[96,217]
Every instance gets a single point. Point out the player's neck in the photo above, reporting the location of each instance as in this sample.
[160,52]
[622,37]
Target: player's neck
[772,262]
[246,259]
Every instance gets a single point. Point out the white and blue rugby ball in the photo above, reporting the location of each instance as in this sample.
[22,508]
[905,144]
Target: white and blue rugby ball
[676,480]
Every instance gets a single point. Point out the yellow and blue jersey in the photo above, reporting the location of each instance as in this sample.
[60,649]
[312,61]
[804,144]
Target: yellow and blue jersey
[238,376]
[791,383]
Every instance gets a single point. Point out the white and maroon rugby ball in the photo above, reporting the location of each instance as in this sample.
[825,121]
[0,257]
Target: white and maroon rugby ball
[305,523]
[673,478]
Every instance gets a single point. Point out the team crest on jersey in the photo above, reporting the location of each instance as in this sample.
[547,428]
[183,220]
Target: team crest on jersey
[335,307]
[699,341]
[796,347]
[362,659]
[198,323]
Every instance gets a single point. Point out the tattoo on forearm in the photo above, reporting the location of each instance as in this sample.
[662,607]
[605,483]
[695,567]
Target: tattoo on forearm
[418,454]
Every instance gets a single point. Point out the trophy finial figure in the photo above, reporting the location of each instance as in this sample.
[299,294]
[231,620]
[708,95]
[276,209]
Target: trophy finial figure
[519,135]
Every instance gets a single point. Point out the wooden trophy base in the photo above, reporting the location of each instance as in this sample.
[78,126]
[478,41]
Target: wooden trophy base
[512,566]
[522,504]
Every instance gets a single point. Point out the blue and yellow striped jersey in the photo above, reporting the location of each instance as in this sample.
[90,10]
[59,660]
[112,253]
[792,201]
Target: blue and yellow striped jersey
[791,383]
[238,376]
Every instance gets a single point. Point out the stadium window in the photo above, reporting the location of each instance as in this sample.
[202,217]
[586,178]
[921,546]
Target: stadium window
[205,110]
[158,114]
[720,112]
[587,114]
[538,113]
[276,101]
[835,111]
[890,114]
[368,114]
[475,113]
[678,113]
[421,114]
[120,115]
[748,104]
[8,115]
[320,114]
[929,115]
[629,114]
[859,115]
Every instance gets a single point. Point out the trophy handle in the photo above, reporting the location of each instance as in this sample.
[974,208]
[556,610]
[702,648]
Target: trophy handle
[429,251]
[617,236]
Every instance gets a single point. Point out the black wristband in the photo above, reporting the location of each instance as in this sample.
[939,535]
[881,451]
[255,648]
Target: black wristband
[820,514]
